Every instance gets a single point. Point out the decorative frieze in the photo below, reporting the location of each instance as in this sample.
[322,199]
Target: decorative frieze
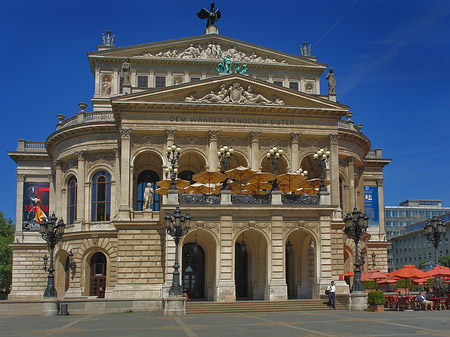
[301,224]
[73,162]
[192,141]
[212,226]
[139,141]
[234,141]
[100,158]
[264,226]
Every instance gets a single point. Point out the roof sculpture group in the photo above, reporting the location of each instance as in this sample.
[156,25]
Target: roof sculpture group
[212,15]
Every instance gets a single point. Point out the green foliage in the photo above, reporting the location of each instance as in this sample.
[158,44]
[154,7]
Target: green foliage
[6,237]
[402,283]
[420,265]
[444,260]
[376,297]
[369,284]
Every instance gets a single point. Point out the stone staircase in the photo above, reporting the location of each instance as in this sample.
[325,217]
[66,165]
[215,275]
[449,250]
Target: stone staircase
[259,306]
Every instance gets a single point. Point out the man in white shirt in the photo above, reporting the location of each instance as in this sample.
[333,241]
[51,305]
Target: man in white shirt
[332,295]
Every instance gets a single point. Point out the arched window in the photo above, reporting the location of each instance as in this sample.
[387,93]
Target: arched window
[72,200]
[101,196]
[145,177]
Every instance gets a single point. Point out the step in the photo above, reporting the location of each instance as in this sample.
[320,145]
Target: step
[258,306]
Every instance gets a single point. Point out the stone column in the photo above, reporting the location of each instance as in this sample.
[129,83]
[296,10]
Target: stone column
[225,285]
[254,156]
[19,207]
[81,199]
[382,230]
[324,256]
[334,169]
[277,287]
[51,184]
[172,196]
[124,208]
[351,183]
[213,160]
[116,182]
[58,186]
[295,165]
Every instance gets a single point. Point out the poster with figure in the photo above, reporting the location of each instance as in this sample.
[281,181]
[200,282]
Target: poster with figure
[35,205]
[371,205]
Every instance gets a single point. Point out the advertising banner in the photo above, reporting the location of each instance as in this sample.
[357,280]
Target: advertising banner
[35,205]
[371,205]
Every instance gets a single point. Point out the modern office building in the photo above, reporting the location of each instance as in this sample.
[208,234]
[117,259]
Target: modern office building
[413,247]
[93,169]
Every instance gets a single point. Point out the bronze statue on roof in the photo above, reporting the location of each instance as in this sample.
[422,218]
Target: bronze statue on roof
[212,15]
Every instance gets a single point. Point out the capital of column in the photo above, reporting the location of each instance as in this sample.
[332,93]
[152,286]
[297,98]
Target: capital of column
[295,137]
[255,136]
[351,160]
[213,135]
[380,182]
[81,155]
[20,177]
[334,139]
[170,135]
[58,164]
[125,133]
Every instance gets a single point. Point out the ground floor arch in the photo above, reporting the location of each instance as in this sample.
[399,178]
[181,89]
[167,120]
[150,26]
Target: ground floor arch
[300,264]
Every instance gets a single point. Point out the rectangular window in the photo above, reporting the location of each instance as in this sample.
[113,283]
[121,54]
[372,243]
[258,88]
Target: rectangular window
[195,79]
[160,81]
[279,83]
[142,81]
[293,85]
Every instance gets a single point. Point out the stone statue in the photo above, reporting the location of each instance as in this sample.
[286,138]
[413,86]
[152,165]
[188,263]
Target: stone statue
[221,96]
[225,65]
[212,15]
[108,40]
[255,98]
[125,73]
[331,82]
[244,69]
[148,196]
[106,86]
[305,50]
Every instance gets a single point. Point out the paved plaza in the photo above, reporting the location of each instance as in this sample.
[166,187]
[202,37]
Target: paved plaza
[317,323]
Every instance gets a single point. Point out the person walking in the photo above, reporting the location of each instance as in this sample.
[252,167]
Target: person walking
[332,295]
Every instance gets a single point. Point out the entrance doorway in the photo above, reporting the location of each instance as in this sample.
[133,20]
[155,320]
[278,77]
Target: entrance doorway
[194,270]
[97,283]
[241,270]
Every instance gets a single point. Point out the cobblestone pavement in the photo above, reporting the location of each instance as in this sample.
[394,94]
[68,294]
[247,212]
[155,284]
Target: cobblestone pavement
[317,323]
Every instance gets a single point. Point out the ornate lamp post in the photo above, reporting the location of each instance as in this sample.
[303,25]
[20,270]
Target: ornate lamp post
[373,259]
[225,154]
[435,230]
[52,232]
[274,156]
[321,158]
[355,227]
[173,154]
[176,226]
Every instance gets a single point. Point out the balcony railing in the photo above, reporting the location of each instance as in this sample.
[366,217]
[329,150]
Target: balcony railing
[195,199]
[245,199]
[87,117]
[292,199]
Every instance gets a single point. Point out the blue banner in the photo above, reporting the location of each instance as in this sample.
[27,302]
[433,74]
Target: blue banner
[371,205]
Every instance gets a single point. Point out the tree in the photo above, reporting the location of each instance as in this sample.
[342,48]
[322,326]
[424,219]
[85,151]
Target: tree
[444,260]
[6,237]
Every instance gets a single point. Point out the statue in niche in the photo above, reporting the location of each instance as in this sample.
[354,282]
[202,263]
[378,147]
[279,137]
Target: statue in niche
[212,15]
[125,72]
[331,82]
[106,86]
[148,196]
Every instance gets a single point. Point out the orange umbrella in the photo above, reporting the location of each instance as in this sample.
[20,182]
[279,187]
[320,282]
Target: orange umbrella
[261,177]
[440,271]
[423,280]
[313,183]
[208,177]
[258,186]
[289,182]
[387,281]
[408,271]
[239,173]
[179,182]
[349,274]
[236,187]
[373,275]
[255,192]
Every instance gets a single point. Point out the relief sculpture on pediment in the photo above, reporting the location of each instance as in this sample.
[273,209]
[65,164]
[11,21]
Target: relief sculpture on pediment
[235,94]
[212,51]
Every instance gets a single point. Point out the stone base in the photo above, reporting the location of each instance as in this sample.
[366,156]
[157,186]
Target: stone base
[276,198]
[332,96]
[225,292]
[324,198]
[147,214]
[174,306]
[225,197]
[134,292]
[211,30]
[50,307]
[358,301]
[172,197]
[126,89]
[277,290]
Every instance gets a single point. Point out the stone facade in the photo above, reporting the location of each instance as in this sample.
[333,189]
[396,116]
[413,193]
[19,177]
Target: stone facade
[96,164]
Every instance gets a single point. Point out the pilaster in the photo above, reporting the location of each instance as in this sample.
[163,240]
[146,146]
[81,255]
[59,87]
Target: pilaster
[277,287]
[19,207]
[81,200]
[294,151]
[351,182]
[213,160]
[225,287]
[254,156]
[124,208]
[58,186]
[334,169]
[382,231]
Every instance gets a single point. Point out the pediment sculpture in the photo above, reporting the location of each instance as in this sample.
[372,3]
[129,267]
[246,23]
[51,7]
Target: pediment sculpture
[235,93]
[212,51]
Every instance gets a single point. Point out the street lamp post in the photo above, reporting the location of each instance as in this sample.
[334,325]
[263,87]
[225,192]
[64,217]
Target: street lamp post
[435,230]
[355,227]
[321,158]
[176,226]
[274,156]
[373,259]
[52,232]
[225,154]
[173,154]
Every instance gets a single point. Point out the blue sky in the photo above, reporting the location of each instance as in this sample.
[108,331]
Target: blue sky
[390,58]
